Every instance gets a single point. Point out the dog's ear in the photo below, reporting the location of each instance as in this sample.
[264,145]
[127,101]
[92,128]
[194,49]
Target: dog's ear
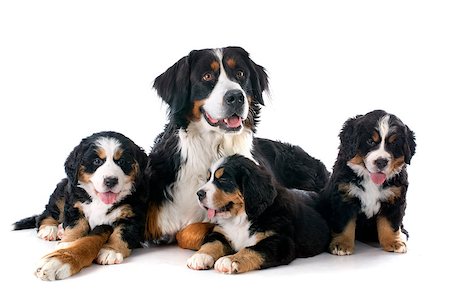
[257,188]
[260,81]
[173,86]
[73,162]
[258,77]
[349,138]
[410,145]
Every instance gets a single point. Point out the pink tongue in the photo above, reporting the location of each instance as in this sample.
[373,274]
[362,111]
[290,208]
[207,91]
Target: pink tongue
[211,119]
[108,197]
[233,122]
[211,213]
[378,178]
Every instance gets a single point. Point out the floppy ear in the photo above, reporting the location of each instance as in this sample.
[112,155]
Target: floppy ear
[410,145]
[257,189]
[258,77]
[72,164]
[260,81]
[349,138]
[173,86]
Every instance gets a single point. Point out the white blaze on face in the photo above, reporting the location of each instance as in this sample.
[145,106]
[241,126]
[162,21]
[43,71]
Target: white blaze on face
[109,168]
[214,104]
[96,187]
[380,153]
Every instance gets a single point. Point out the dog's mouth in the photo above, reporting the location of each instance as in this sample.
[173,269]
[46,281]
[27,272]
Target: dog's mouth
[231,123]
[217,212]
[108,197]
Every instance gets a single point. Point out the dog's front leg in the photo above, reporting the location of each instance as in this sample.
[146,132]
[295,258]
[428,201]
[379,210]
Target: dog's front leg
[115,249]
[270,252]
[78,254]
[215,246]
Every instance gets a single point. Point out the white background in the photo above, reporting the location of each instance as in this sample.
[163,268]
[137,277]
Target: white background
[68,69]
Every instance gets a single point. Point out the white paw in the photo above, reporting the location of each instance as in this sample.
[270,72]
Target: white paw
[200,261]
[341,252]
[108,256]
[401,249]
[225,265]
[52,269]
[397,246]
[60,231]
[48,232]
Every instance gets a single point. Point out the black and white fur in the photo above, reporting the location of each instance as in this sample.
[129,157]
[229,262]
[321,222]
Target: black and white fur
[214,98]
[366,195]
[104,186]
[259,224]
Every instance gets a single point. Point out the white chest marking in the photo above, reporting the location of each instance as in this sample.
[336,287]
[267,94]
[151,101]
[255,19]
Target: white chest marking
[371,197]
[198,150]
[237,231]
[95,213]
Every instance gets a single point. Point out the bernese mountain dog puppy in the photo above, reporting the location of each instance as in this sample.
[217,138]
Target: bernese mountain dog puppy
[366,194]
[214,98]
[260,224]
[100,206]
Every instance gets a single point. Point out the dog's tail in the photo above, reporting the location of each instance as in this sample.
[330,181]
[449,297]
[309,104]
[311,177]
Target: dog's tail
[27,223]
[404,231]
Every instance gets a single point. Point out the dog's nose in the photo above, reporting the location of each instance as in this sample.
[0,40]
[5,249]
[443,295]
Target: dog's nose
[381,163]
[201,194]
[234,98]
[110,182]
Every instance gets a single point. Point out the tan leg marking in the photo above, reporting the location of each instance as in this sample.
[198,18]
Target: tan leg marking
[204,258]
[243,261]
[68,261]
[80,229]
[192,236]
[115,249]
[344,243]
[389,239]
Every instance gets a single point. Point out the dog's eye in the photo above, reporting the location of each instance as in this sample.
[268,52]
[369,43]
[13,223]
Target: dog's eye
[97,162]
[392,139]
[371,142]
[222,180]
[207,77]
[240,75]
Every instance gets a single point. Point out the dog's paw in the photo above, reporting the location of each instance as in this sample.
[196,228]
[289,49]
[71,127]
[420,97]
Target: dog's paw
[397,246]
[227,265]
[107,256]
[52,268]
[200,261]
[60,232]
[341,248]
[48,232]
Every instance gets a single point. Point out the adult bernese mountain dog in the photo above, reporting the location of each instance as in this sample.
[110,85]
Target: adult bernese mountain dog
[100,206]
[260,224]
[366,194]
[214,98]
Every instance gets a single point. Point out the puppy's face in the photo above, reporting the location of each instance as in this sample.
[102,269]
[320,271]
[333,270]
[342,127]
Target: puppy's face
[236,187]
[383,144]
[220,89]
[221,195]
[105,166]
